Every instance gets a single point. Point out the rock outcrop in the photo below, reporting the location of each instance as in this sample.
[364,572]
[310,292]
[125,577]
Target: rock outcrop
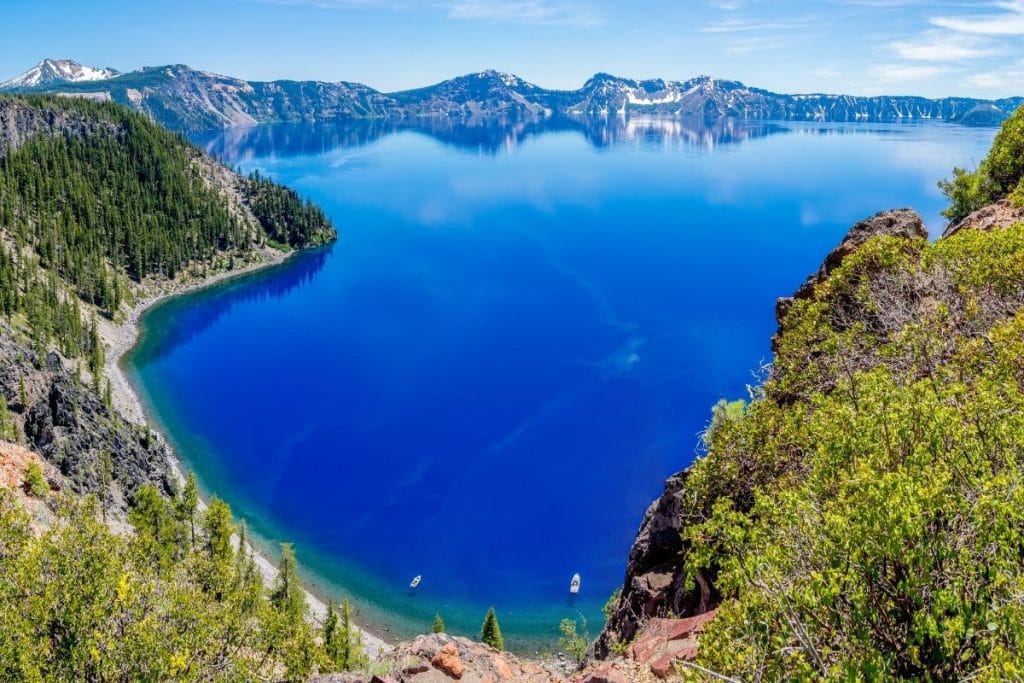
[70,427]
[20,122]
[999,215]
[653,586]
[902,223]
[654,600]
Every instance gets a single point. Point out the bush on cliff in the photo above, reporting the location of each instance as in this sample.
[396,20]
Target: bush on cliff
[1000,175]
[862,518]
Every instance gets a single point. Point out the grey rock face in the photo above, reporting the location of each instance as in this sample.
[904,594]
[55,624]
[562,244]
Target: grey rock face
[70,427]
[20,122]
[653,585]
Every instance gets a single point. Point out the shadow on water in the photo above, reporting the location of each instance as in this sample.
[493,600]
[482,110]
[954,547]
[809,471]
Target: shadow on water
[180,320]
[488,136]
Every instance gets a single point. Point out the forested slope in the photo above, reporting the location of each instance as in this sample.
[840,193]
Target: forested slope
[109,569]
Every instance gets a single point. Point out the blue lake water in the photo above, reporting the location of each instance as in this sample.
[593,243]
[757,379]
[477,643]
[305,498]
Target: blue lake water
[517,337]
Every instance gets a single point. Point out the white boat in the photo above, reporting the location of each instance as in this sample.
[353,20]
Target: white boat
[574,585]
[416,581]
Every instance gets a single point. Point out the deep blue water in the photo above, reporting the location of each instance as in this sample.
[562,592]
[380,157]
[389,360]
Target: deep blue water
[518,336]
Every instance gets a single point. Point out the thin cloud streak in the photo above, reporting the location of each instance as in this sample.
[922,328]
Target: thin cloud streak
[1009,21]
[539,12]
[535,12]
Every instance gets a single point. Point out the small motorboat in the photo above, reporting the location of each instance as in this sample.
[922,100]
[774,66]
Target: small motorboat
[574,585]
[415,582]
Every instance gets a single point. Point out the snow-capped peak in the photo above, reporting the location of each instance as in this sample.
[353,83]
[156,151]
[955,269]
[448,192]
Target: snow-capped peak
[58,71]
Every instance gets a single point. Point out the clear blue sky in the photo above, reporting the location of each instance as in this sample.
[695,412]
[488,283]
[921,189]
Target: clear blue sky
[928,47]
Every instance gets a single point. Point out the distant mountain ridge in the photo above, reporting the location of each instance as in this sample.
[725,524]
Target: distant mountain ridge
[186,99]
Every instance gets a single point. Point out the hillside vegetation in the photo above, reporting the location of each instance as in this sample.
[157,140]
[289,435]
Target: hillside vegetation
[862,516]
[96,203]
[999,176]
[103,199]
[173,601]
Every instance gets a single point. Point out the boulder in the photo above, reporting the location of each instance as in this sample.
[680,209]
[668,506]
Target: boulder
[606,673]
[450,658]
[447,660]
[663,642]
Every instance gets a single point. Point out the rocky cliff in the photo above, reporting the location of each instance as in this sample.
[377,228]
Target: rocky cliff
[64,421]
[656,585]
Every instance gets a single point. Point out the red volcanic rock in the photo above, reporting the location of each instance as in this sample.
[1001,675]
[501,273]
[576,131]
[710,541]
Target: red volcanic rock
[447,660]
[664,641]
[608,673]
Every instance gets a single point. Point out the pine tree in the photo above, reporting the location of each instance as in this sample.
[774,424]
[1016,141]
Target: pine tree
[353,655]
[6,423]
[490,631]
[154,524]
[438,625]
[288,597]
[572,641]
[35,481]
[188,505]
[217,529]
[332,637]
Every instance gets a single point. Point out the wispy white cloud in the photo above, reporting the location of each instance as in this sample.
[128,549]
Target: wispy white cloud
[1001,80]
[739,34]
[943,46]
[1007,19]
[749,44]
[829,71]
[898,74]
[537,12]
[744,25]
[525,12]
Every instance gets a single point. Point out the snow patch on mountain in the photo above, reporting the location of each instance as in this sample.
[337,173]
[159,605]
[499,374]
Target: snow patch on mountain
[53,71]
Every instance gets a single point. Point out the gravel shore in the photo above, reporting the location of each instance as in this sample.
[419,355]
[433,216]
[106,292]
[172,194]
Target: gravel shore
[120,339]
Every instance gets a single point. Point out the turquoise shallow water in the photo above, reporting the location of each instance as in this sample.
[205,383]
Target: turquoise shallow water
[516,339]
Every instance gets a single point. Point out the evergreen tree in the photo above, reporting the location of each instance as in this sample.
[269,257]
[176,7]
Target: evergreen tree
[188,505]
[106,476]
[155,529]
[331,637]
[438,625]
[490,631]
[290,636]
[7,428]
[217,529]
[288,597]
[353,655]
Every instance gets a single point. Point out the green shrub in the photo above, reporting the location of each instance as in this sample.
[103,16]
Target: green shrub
[998,176]
[35,481]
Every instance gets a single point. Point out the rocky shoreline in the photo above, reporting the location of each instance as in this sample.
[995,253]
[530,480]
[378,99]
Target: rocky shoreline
[121,338]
